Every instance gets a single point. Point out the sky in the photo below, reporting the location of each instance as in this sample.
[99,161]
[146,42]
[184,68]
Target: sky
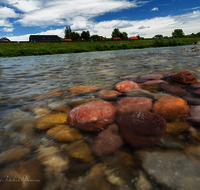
[21,18]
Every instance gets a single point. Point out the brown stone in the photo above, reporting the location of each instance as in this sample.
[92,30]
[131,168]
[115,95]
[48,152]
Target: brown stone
[129,76]
[63,108]
[140,128]
[185,77]
[64,133]
[134,104]
[126,86]
[108,94]
[194,114]
[176,127]
[107,141]
[164,74]
[83,89]
[92,116]
[196,85]
[191,100]
[174,90]
[171,108]
[51,120]
[41,111]
[197,92]
[154,82]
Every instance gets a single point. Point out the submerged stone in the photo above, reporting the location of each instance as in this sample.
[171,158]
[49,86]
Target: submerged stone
[107,141]
[140,128]
[194,114]
[176,127]
[108,94]
[185,77]
[152,76]
[174,90]
[140,93]
[126,86]
[83,89]
[134,104]
[171,108]
[92,116]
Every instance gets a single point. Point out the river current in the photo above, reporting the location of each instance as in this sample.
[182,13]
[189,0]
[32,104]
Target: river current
[23,78]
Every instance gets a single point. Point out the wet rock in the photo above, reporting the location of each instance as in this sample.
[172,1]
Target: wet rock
[171,169]
[14,154]
[51,120]
[154,82]
[194,114]
[139,81]
[129,104]
[171,141]
[129,76]
[25,175]
[171,108]
[63,133]
[197,92]
[41,111]
[174,90]
[47,95]
[80,151]
[140,93]
[176,127]
[151,88]
[92,116]
[83,89]
[140,128]
[96,179]
[63,108]
[152,76]
[107,141]
[196,85]
[53,105]
[126,86]
[184,77]
[142,183]
[108,94]
[191,100]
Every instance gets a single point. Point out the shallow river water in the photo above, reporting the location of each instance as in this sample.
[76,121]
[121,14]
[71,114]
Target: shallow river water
[30,159]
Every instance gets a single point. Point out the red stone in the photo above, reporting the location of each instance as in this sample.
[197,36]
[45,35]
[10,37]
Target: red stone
[174,90]
[140,128]
[108,94]
[134,104]
[185,77]
[126,86]
[152,76]
[92,116]
[196,85]
[107,141]
[197,92]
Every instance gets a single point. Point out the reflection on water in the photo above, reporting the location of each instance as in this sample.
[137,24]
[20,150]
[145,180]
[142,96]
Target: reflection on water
[33,87]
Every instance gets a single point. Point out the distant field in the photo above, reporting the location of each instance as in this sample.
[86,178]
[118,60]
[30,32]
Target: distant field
[11,49]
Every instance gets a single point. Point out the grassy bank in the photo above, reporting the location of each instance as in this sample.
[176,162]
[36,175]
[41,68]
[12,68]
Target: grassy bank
[12,49]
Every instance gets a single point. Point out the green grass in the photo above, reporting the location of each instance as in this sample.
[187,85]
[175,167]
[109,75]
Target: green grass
[11,49]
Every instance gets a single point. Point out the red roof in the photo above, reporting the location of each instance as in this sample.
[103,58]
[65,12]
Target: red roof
[116,38]
[133,38]
[66,40]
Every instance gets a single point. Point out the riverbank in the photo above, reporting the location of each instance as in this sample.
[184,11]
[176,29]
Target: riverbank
[48,48]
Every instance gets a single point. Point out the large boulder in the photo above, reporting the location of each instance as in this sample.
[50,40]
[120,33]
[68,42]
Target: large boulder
[171,108]
[134,104]
[126,86]
[184,77]
[107,142]
[92,116]
[140,128]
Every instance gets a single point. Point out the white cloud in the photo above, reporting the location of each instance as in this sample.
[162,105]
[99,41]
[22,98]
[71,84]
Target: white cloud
[123,24]
[154,9]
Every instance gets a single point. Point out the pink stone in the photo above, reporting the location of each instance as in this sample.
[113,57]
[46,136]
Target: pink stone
[92,116]
[140,128]
[185,77]
[134,104]
[107,141]
[126,86]
[194,114]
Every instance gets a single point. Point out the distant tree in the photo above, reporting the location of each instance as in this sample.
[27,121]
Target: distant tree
[85,35]
[115,33]
[124,36]
[138,36]
[95,37]
[178,33]
[198,34]
[75,36]
[68,33]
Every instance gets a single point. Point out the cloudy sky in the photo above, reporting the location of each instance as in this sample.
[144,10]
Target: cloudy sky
[20,18]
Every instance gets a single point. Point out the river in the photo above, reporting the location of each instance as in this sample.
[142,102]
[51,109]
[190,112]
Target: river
[25,151]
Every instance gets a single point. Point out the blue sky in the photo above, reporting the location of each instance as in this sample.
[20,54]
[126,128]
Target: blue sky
[21,18]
